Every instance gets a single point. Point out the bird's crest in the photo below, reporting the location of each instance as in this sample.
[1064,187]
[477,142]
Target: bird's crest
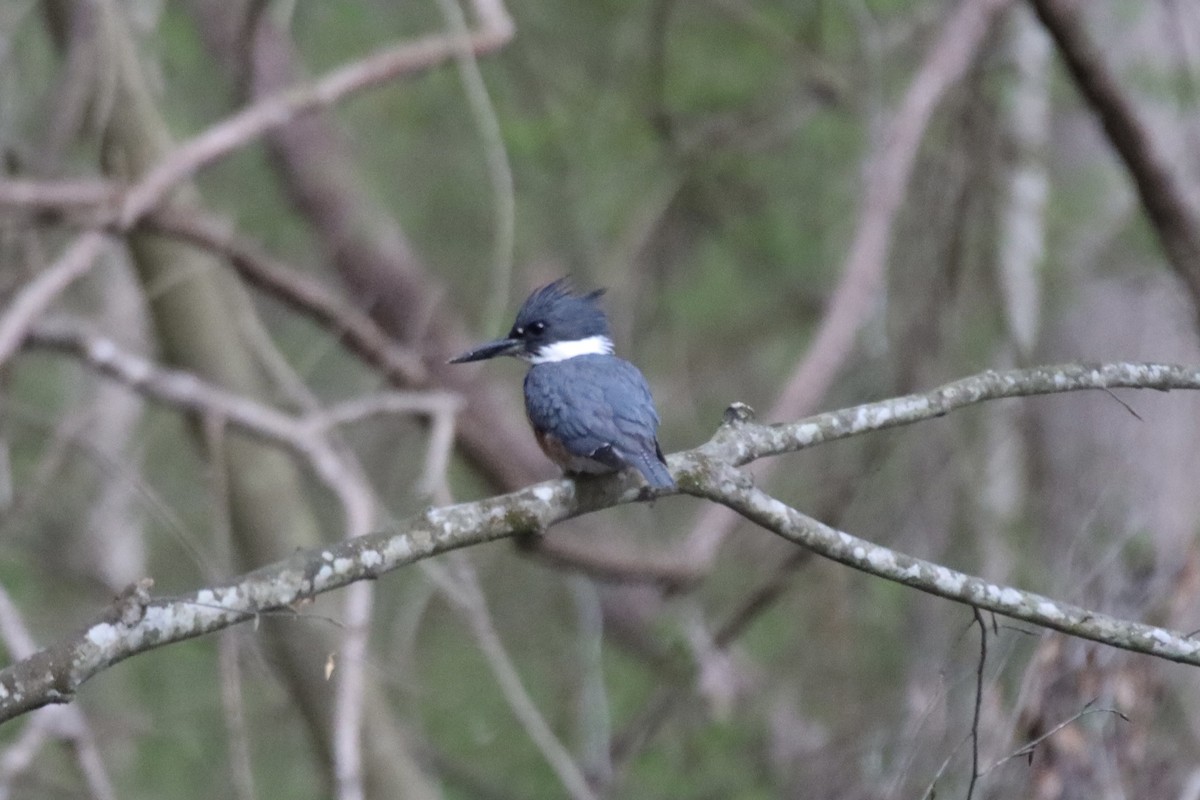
[558,305]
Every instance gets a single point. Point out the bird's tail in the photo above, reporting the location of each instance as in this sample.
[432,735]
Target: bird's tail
[655,472]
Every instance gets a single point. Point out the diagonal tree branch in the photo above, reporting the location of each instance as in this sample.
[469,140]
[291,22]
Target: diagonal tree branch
[732,489]
[357,331]
[303,436]
[37,295]
[1174,217]
[278,109]
[137,622]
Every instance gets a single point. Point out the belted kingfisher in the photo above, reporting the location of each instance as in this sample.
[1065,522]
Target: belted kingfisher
[591,411]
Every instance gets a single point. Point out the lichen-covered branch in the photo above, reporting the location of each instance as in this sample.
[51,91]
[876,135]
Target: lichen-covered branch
[753,441]
[732,488]
[139,622]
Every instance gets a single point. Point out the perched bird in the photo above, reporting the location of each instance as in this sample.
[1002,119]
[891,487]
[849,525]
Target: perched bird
[591,411]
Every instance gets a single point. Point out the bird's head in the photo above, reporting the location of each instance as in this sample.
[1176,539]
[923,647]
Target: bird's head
[554,323]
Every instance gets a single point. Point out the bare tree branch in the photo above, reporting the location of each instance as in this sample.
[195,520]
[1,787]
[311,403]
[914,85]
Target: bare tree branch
[55,198]
[1174,217]
[365,244]
[728,486]
[354,329]
[305,436]
[67,723]
[137,622]
[189,392]
[37,295]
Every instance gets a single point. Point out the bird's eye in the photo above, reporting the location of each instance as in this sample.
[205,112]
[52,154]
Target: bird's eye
[517,333]
[537,327]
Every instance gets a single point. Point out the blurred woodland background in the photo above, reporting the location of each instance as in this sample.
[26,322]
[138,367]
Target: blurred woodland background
[799,205]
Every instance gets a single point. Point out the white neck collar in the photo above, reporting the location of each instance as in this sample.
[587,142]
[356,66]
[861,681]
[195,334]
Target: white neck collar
[561,351]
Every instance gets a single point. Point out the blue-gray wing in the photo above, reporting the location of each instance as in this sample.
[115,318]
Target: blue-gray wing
[598,407]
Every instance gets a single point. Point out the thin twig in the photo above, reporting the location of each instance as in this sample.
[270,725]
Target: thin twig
[983,651]
[1029,747]
[301,435]
[305,436]
[36,296]
[359,409]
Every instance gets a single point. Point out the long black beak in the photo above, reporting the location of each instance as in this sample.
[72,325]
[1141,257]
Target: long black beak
[500,347]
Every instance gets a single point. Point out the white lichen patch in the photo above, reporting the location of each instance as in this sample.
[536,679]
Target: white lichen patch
[1050,611]
[230,597]
[268,593]
[103,635]
[398,548]
[1010,596]
[543,493]
[370,558]
[909,407]
[910,572]
[326,555]
[158,619]
[343,565]
[777,509]
[3,692]
[948,580]
[205,597]
[859,553]
[807,433]
[881,559]
[323,575]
